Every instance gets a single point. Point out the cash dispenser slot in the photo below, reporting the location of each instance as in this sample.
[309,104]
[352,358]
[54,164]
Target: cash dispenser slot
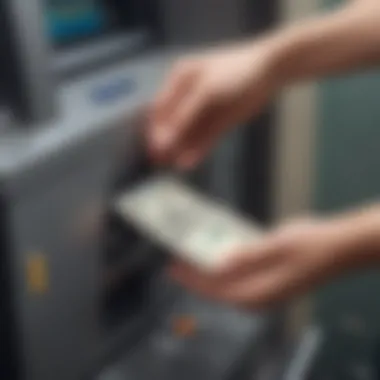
[129,265]
[130,262]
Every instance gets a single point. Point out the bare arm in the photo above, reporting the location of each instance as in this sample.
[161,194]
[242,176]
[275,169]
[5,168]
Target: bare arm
[209,94]
[345,40]
[358,238]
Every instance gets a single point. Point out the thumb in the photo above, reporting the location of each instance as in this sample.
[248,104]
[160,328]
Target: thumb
[252,258]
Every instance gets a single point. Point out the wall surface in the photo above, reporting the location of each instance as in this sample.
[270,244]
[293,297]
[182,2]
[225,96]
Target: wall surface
[294,164]
[329,155]
[348,146]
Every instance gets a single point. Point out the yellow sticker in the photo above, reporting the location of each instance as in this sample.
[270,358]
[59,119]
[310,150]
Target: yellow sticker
[37,274]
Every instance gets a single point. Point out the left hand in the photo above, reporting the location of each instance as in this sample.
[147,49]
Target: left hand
[287,263]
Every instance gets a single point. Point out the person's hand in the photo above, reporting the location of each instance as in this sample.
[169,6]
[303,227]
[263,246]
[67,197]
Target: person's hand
[287,263]
[204,97]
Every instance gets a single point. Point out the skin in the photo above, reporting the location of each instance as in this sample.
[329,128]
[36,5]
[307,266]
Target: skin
[207,95]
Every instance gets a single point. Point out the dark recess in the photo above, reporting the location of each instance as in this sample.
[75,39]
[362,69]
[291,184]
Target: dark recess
[10,367]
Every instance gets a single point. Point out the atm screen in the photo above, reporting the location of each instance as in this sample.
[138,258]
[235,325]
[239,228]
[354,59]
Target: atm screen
[89,33]
[73,20]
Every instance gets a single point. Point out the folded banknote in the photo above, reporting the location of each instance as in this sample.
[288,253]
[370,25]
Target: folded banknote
[197,228]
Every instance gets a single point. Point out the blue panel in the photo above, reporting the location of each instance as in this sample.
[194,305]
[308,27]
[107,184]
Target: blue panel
[113,90]
[71,23]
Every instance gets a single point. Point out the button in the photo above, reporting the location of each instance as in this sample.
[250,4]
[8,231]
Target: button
[184,326]
[113,91]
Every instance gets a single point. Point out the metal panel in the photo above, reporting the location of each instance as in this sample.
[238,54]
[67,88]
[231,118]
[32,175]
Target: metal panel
[222,339]
[59,323]
[202,21]
[57,179]
[32,56]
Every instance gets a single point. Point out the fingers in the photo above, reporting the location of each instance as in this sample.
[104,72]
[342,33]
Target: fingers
[206,130]
[189,114]
[189,277]
[199,143]
[261,291]
[248,261]
[195,126]
[177,86]
[253,259]
[251,291]
[180,119]
[255,276]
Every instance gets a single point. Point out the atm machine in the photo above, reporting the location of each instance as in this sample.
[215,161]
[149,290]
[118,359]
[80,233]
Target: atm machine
[83,296]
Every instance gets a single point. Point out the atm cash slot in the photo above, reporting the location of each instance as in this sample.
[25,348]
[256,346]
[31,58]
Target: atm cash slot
[129,264]
[120,240]
[128,299]
[126,252]
[130,261]
[125,248]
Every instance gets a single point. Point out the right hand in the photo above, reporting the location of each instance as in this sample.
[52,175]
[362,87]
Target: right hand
[205,97]
[286,263]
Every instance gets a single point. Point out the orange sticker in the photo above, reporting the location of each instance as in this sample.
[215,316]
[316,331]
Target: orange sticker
[184,326]
[37,274]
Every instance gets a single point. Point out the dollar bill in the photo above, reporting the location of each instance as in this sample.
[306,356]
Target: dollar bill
[199,229]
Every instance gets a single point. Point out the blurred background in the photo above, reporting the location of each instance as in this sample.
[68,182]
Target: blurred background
[343,121]
[346,176]
[75,75]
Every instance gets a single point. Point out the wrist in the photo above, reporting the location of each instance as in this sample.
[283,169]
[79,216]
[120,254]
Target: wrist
[356,239]
[275,48]
[282,53]
[289,52]
[323,45]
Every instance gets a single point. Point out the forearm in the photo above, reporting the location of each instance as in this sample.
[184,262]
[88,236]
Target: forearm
[345,40]
[357,238]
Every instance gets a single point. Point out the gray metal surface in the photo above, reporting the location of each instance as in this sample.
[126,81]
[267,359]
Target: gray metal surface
[303,360]
[81,117]
[60,327]
[222,337]
[80,57]
[228,345]
[56,178]
[33,52]
[203,21]
[282,361]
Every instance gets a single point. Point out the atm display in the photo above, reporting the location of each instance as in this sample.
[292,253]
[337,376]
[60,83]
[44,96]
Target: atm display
[72,20]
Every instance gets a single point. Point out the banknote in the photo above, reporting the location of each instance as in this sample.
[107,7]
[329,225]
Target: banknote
[201,230]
